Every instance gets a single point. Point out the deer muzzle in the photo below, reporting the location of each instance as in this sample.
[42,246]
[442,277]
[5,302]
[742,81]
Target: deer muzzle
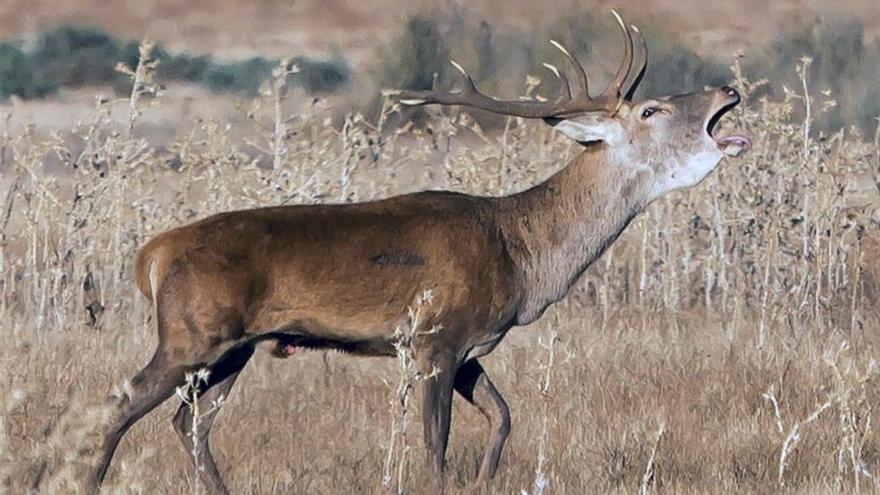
[734,144]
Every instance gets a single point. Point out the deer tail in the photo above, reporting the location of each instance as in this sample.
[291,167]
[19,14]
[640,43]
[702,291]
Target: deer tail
[148,268]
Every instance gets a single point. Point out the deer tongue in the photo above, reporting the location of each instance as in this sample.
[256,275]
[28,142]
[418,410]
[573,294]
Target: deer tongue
[734,145]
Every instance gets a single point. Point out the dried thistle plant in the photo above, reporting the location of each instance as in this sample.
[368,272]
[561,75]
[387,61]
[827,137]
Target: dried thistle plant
[542,478]
[395,469]
[143,80]
[188,393]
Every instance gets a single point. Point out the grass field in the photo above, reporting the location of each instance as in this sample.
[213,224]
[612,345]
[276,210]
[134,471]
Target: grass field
[727,343]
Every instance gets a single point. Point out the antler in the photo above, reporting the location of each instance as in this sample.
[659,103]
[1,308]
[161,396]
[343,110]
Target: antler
[567,105]
[643,55]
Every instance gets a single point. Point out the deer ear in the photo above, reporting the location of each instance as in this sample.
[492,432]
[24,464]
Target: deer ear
[589,129]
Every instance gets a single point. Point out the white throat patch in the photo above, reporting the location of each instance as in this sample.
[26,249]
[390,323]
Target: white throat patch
[687,174]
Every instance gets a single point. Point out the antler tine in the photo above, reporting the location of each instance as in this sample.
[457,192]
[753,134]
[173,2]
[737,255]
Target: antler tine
[613,89]
[584,85]
[633,84]
[469,86]
[565,85]
[416,98]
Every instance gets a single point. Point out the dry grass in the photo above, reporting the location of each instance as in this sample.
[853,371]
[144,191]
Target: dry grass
[732,329]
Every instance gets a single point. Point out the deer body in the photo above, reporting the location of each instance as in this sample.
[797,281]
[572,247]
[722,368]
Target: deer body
[342,276]
[490,263]
[267,270]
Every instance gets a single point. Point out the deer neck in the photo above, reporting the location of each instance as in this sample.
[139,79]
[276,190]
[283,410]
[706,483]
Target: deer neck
[556,229]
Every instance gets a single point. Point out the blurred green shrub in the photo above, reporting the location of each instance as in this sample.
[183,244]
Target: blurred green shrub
[321,76]
[70,56]
[16,75]
[238,77]
[842,63]
[422,54]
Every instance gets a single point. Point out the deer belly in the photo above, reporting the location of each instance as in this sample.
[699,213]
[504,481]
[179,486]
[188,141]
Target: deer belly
[484,348]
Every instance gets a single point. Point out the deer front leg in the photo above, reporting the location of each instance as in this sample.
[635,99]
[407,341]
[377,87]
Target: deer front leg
[472,383]
[436,417]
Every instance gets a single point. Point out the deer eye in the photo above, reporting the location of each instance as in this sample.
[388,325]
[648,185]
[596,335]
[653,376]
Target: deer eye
[648,112]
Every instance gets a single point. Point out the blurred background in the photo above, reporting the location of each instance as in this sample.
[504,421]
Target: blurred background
[53,54]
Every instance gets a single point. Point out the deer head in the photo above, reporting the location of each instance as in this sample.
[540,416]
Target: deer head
[671,137]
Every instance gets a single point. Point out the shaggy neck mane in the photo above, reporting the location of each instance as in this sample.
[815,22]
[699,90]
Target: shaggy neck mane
[556,229]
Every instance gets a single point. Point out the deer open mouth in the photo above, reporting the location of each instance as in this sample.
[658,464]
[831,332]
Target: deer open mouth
[733,144]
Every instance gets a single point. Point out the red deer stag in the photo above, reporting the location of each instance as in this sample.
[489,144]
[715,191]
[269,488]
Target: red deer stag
[341,276]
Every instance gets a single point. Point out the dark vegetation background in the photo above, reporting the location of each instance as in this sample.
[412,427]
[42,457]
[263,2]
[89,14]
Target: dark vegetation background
[75,56]
[844,61]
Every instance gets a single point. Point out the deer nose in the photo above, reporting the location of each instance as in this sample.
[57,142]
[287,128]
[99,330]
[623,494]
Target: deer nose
[731,92]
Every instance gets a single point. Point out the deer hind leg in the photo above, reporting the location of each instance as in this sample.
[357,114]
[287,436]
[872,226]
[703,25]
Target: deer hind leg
[472,383]
[220,382]
[149,388]
[188,341]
